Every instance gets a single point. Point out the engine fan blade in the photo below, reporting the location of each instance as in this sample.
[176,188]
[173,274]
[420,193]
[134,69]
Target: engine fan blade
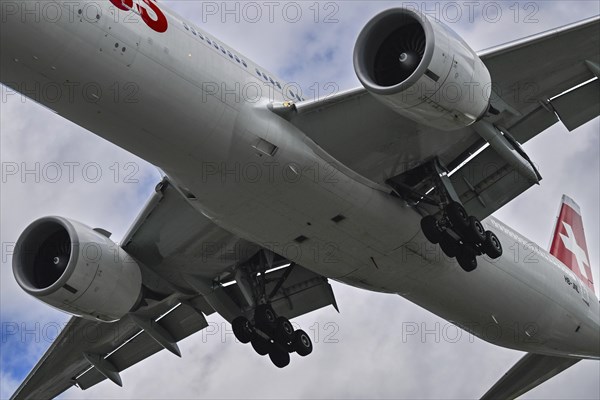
[52,259]
[400,55]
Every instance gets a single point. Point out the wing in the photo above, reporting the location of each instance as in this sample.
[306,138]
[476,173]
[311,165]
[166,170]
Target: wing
[88,352]
[536,84]
[183,257]
[540,67]
[531,371]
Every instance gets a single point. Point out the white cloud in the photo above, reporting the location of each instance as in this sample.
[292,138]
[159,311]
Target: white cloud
[8,386]
[370,359]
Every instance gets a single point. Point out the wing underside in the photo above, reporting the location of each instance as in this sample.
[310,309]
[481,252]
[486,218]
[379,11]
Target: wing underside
[119,345]
[531,371]
[538,82]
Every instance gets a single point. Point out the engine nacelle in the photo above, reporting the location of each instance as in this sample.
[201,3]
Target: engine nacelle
[422,69]
[76,269]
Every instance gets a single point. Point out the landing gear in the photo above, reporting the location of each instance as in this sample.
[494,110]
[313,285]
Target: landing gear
[261,345]
[302,343]
[284,331]
[429,189]
[430,228]
[475,233]
[492,245]
[267,332]
[457,216]
[449,245]
[243,329]
[264,318]
[467,258]
[461,235]
[272,335]
[279,356]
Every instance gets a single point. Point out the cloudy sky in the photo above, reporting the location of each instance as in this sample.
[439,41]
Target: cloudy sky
[359,353]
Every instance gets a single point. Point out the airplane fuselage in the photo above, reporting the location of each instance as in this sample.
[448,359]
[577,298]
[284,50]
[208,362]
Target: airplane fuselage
[199,111]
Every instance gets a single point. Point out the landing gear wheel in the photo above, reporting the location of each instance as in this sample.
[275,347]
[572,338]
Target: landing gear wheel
[449,245]
[492,245]
[243,330]
[430,229]
[475,233]
[264,318]
[302,343]
[467,259]
[279,356]
[458,216]
[261,345]
[284,331]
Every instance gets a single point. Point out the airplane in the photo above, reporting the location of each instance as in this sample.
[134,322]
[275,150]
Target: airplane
[229,240]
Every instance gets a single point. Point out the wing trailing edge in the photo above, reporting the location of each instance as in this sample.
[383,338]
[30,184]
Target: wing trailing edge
[531,371]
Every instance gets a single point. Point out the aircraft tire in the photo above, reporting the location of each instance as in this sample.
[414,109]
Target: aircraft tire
[279,356]
[449,246]
[264,318]
[430,229]
[284,331]
[261,345]
[243,329]
[467,259]
[492,245]
[302,343]
[458,216]
[475,232]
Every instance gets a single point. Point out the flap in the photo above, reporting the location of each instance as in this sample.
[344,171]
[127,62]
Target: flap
[542,66]
[488,182]
[293,291]
[121,343]
[579,106]
[181,322]
[540,119]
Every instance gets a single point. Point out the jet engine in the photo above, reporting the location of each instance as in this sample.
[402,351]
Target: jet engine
[76,269]
[422,69]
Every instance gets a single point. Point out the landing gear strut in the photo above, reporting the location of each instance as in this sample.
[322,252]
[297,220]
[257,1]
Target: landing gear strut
[458,234]
[267,332]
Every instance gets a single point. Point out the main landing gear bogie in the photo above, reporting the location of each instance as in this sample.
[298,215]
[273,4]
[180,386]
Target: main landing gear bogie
[273,335]
[461,235]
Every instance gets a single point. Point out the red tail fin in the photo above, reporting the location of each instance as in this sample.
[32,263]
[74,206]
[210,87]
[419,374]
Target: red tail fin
[568,243]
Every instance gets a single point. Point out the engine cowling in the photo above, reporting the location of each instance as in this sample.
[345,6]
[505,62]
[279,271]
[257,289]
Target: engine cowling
[76,269]
[422,69]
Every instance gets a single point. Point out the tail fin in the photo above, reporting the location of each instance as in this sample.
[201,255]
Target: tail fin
[568,243]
